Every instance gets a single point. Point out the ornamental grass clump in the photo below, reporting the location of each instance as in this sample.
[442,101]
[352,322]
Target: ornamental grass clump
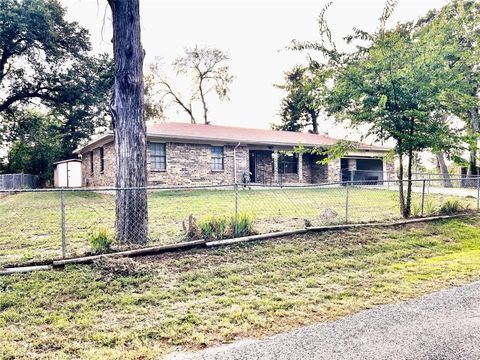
[217,227]
[100,240]
[213,227]
[244,224]
[451,206]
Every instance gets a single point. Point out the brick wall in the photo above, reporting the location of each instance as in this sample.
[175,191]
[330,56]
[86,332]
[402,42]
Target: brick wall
[318,172]
[187,164]
[190,164]
[98,178]
[334,172]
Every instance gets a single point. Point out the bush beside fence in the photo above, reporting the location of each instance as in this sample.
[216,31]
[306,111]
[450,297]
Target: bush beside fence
[45,224]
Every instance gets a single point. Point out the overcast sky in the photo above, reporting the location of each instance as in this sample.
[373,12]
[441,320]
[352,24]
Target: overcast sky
[254,33]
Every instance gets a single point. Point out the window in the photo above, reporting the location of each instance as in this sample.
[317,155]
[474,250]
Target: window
[91,162]
[287,163]
[158,157]
[102,160]
[217,158]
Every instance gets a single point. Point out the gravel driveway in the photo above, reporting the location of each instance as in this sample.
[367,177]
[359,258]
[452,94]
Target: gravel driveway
[442,325]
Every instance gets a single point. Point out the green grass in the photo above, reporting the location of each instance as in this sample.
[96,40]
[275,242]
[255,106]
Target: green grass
[152,306]
[30,222]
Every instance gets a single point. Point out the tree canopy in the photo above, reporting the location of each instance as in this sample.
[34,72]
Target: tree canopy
[45,63]
[455,30]
[306,93]
[400,82]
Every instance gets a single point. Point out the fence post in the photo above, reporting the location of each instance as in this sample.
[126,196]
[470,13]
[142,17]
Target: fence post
[423,196]
[62,210]
[346,201]
[236,211]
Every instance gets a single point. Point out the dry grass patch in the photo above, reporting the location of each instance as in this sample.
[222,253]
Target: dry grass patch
[148,307]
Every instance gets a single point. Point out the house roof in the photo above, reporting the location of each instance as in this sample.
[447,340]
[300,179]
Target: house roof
[233,135]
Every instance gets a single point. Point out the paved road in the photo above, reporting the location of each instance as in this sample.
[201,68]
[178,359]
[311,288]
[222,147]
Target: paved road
[443,325]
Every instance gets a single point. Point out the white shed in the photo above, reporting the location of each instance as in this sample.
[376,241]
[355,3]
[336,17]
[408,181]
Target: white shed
[68,173]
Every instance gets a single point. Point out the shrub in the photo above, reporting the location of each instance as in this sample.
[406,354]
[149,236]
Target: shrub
[451,206]
[213,227]
[100,240]
[244,224]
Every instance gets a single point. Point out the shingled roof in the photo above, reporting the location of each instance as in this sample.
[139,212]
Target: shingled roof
[232,135]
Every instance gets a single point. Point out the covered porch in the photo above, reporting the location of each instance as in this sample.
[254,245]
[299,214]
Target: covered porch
[283,165]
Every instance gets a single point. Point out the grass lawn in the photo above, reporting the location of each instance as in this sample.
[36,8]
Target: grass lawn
[152,306]
[30,222]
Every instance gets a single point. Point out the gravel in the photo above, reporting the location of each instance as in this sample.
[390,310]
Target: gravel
[442,325]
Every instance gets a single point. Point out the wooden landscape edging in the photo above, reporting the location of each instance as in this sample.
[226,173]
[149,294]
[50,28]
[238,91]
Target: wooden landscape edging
[132,253]
[208,244]
[327,228]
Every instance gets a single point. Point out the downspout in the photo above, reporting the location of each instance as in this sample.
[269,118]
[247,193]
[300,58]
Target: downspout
[235,163]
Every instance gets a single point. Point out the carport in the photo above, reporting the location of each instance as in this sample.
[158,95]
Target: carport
[369,170]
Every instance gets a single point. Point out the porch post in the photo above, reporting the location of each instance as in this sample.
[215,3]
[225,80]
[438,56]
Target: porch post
[300,167]
[275,166]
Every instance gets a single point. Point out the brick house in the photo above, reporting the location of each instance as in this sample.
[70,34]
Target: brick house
[196,154]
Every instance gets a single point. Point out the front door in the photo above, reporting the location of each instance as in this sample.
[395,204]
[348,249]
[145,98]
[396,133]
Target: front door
[252,165]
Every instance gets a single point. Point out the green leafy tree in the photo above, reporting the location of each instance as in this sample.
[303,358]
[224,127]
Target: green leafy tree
[395,83]
[455,31]
[396,88]
[36,146]
[45,63]
[306,92]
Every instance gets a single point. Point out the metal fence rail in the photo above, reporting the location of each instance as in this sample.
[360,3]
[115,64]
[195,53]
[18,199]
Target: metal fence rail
[41,224]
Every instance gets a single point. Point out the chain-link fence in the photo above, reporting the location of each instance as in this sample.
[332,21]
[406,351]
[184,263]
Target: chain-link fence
[43,224]
[18,181]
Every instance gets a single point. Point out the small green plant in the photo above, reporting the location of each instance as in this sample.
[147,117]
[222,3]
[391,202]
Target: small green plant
[213,227]
[430,208]
[451,206]
[27,255]
[100,240]
[244,224]
[416,210]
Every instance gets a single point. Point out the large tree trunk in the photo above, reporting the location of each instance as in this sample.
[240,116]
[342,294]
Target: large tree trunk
[475,127]
[443,169]
[129,127]
[314,117]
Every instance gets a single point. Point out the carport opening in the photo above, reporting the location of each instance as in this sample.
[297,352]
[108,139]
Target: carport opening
[370,171]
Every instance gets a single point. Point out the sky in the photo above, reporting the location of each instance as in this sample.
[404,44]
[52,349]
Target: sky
[255,34]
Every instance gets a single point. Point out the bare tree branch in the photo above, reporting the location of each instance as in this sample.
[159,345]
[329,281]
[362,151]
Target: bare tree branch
[207,71]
